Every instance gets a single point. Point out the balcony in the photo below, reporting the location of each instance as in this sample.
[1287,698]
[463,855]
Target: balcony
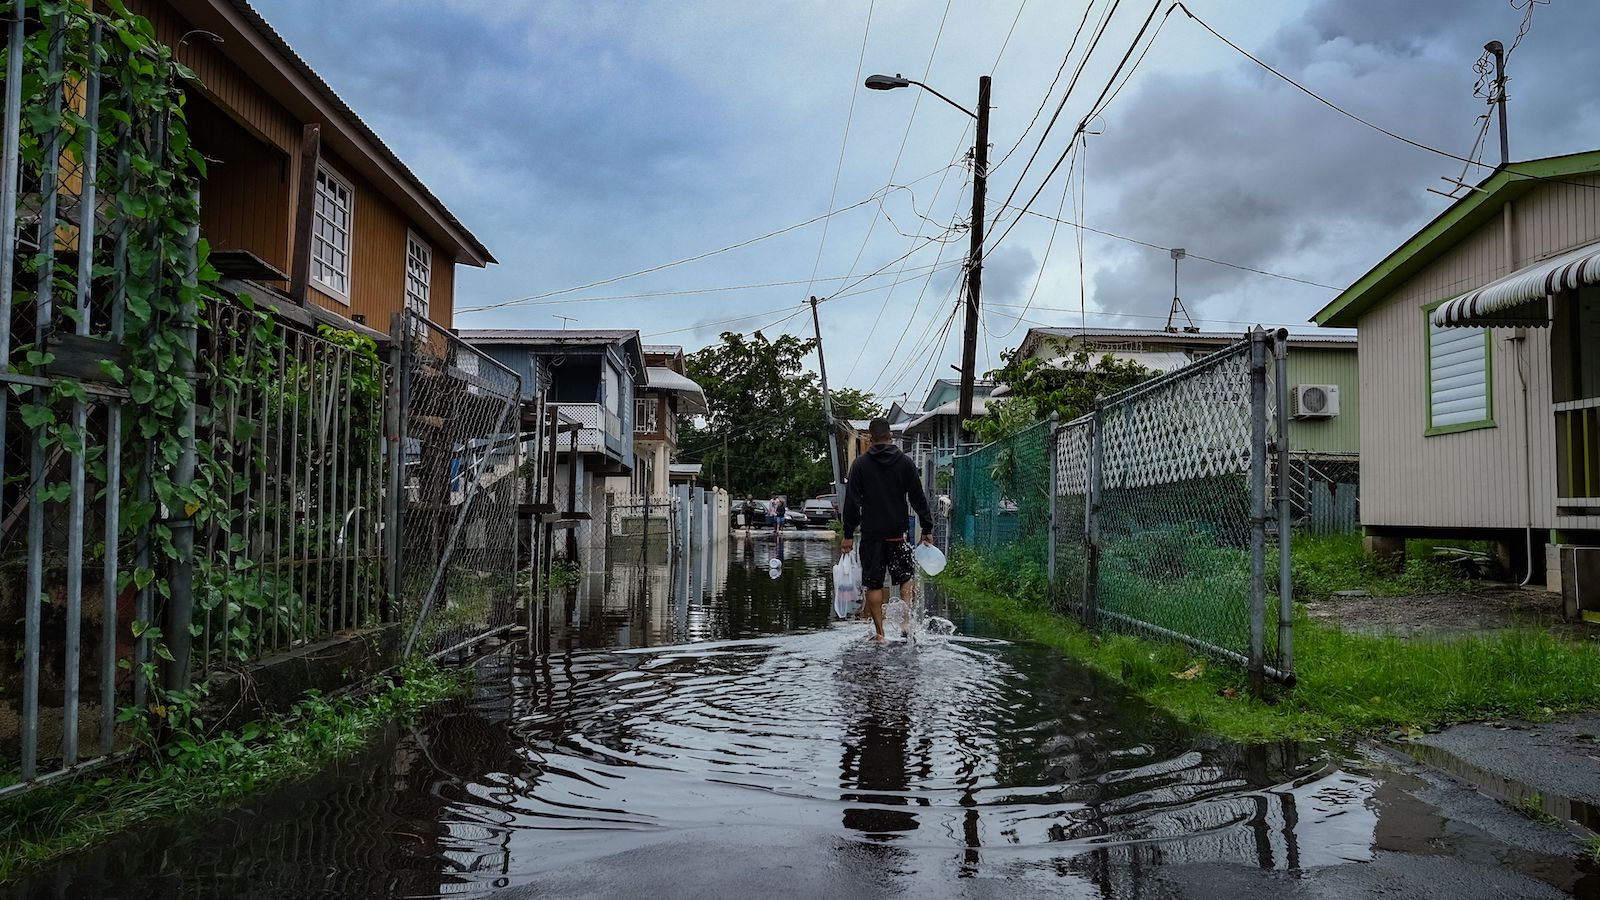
[601,432]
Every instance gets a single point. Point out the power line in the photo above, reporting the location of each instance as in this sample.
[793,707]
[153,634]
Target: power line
[1010,31]
[1083,62]
[1081,125]
[1192,254]
[1045,100]
[844,143]
[885,305]
[1050,244]
[1355,118]
[645,295]
[1101,314]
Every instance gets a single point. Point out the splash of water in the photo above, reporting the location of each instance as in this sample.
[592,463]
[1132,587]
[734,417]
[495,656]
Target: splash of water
[914,623]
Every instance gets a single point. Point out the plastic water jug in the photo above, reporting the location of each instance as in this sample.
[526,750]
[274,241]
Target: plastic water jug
[929,559]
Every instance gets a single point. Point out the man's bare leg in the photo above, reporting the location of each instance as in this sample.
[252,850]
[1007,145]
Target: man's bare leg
[908,595]
[875,601]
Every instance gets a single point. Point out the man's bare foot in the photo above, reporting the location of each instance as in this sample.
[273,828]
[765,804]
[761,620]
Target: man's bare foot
[878,639]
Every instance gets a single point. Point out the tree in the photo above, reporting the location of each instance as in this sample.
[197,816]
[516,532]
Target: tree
[1037,388]
[766,432]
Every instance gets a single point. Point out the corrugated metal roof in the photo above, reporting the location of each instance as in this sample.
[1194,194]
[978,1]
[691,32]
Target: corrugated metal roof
[546,335]
[1036,336]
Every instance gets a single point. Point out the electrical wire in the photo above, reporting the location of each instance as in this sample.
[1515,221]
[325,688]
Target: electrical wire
[1358,119]
[1082,125]
[1009,32]
[1103,314]
[1049,245]
[844,143]
[878,319]
[1191,254]
[1045,100]
[1094,43]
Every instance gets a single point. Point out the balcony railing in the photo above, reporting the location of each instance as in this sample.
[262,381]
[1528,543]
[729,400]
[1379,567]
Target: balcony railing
[602,428]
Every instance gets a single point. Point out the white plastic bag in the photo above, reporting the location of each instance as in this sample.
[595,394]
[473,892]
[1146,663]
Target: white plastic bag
[847,585]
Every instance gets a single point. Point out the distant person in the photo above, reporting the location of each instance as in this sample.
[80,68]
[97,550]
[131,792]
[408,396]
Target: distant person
[779,510]
[882,483]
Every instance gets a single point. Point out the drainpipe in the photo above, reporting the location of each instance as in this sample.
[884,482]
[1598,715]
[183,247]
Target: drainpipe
[1519,338]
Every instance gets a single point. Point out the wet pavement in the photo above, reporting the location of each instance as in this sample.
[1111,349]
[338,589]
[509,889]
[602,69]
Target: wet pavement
[705,730]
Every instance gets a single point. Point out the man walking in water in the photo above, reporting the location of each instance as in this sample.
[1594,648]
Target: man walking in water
[883,481]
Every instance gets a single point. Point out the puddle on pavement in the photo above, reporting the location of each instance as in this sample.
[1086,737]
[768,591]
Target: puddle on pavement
[685,719]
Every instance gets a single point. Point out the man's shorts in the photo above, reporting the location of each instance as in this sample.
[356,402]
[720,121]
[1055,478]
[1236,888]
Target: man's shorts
[878,556]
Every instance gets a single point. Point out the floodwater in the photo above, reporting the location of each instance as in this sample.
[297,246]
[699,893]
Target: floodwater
[707,730]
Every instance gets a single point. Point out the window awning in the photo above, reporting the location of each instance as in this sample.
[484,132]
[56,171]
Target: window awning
[691,398]
[1521,298]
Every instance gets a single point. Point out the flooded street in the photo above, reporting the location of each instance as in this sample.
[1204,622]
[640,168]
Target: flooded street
[707,731]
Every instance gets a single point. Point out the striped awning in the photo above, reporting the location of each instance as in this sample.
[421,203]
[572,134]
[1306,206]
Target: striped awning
[1521,299]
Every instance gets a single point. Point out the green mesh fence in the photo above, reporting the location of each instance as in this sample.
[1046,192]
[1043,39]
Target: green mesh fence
[1152,529]
[1001,503]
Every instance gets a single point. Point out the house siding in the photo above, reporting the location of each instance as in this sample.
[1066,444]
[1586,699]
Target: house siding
[249,194]
[1475,479]
[1341,433]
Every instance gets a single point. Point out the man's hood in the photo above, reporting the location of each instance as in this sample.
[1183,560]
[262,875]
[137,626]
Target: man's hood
[884,454]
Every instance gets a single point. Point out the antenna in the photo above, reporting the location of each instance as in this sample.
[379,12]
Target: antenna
[1177,305]
[564,320]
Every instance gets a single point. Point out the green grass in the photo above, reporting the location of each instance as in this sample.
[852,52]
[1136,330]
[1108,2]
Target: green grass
[51,822]
[1348,684]
[1533,808]
[1323,564]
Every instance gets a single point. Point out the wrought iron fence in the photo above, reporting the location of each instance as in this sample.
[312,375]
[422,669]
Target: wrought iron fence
[458,490]
[1151,514]
[252,501]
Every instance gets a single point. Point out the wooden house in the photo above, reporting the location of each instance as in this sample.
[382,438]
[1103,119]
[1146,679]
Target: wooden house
[301,198]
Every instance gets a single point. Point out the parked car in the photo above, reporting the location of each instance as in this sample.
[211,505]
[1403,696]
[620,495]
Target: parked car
[821,512]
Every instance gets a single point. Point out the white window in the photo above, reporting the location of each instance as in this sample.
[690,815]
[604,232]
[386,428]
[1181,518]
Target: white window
[1459,378]
[419,274]
[330,233]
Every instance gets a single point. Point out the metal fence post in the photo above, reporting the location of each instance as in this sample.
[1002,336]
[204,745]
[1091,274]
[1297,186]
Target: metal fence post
[180,610]
[1091,516]
[1258,509]
[1050,515]
[395,417]
[1280,348]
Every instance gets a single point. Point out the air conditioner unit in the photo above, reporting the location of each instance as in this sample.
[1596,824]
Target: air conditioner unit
[1314,401]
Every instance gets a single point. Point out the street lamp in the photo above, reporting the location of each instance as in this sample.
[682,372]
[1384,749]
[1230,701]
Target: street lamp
[980,181]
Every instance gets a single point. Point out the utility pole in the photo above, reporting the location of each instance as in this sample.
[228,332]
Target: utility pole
[980,184]
[1497,50]
[827,409]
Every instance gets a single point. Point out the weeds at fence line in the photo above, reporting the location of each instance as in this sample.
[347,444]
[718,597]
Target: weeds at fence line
[1325,564]
[1347,684]
[194,772]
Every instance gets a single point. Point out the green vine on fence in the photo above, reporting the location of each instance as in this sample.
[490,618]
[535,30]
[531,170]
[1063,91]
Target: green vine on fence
[147,178]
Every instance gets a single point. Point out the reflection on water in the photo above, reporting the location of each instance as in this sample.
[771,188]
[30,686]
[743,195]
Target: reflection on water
[715,706]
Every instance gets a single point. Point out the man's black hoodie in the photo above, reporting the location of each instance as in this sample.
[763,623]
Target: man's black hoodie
[881,483]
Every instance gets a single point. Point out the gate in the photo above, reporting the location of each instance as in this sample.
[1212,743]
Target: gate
[456,494]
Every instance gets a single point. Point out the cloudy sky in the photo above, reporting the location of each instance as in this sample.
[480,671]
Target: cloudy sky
[588,139]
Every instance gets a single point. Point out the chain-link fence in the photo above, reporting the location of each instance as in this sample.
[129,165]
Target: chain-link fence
[1002,504]
[1152,512]
[457,568]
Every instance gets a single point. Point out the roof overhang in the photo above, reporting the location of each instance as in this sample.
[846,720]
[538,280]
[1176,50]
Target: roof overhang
[1522,299]
[1448,229]
[980,406]
[251,43]
[691,397]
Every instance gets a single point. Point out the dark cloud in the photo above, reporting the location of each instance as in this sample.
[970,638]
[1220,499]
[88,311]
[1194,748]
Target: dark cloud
[1239,166]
